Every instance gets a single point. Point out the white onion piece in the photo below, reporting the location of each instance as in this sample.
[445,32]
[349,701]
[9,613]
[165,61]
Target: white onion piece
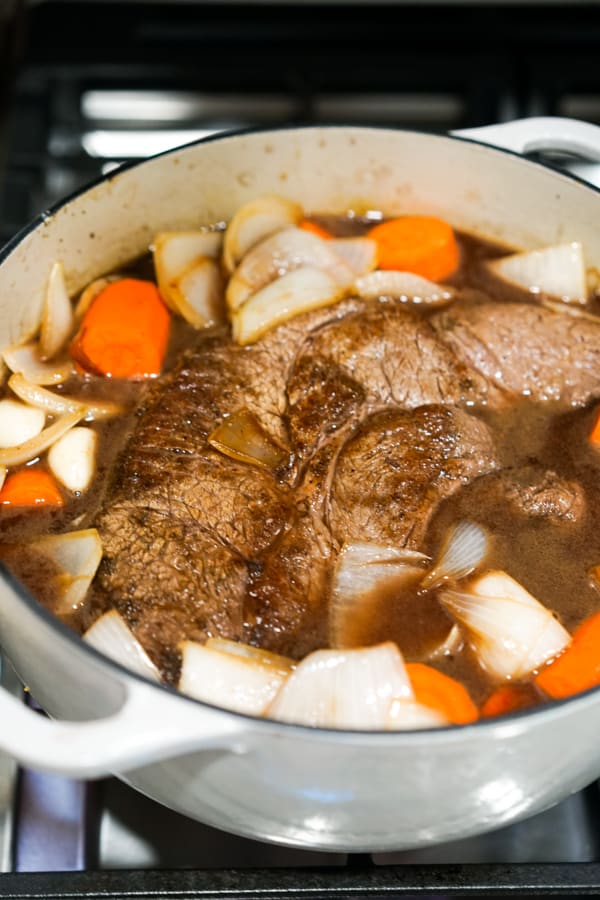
[404,286]
[89,294]
[575,311]
[407,715]
[558,271]
[359,254]
[76,557]
[451,645]
[282,663]
[72,458]
[241,436]
[363,572]
[111,635]
[344,688]
[26,360]
[253,222]
[511,633]
[176,251]
[297,292]
[57,318]
[19,423]
[288,249]
[464,548]
[226,679]
[197,294]
[35,446]
[58,404]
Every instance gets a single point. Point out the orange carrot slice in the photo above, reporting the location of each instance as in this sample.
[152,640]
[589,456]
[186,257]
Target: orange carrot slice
[321,232]
[124,332]
[595,432]
[439,691]
[578,667]
[509,698]
[30,487]
[424,245]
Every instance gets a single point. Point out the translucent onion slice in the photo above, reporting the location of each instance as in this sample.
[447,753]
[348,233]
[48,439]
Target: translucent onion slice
[242,437]
[407,715]
[75,557]
[227,679]
[57,318]
[511,633]
[558,271]
[359,254]
[72,459]
[297,292]
[58,404]
[255,221]
[111,635]
[19,423]
[404,286]
[575,311]
[364,572]
[344,688]
[25,452]
[283,664]
[198,294]
[26,360]
[176,251]
[464,548]
[289,249]
[451,645]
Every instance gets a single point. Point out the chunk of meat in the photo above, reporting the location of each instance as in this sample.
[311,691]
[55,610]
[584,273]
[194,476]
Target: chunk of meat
[526,348]
[391,476]
[542,494]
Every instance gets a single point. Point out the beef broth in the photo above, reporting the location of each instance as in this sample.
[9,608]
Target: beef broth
[395,422]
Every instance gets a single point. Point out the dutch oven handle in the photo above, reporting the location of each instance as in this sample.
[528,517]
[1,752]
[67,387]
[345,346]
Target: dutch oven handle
[150,725]
[539,133]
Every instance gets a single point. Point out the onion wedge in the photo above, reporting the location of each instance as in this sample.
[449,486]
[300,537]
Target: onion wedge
[19,423]
[299,291]
[408,715]
[59,404]
[359,254]
[111,635]
[255,221]
[26,360]
[464,548]
[197,294]
[557,271]
[289,249]
[233,681]
[57,319]
[344,688]
[176,251]
[72,459]
[511,633]
[75,557]
[242,437]
[283,664]
[404,286]
[25,452]
[363,572]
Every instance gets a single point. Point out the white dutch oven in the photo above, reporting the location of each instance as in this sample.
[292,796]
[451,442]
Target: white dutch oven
[350,791]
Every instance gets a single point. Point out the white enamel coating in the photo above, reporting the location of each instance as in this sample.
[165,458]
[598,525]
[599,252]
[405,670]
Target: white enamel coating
[332,790]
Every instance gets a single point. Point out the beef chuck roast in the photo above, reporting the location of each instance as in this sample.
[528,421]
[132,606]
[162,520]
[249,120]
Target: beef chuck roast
[371,402]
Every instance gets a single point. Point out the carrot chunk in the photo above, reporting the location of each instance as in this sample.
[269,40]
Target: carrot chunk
[424,245]
[124,332]
[321,232]
[440,692]
[509,698]
[578,668]
[594,436]
[30,487]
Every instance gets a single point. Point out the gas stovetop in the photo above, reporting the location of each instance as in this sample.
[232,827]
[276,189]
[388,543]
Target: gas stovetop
[121,80]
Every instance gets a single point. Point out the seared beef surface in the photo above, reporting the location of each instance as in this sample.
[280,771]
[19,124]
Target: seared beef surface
[381,412]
